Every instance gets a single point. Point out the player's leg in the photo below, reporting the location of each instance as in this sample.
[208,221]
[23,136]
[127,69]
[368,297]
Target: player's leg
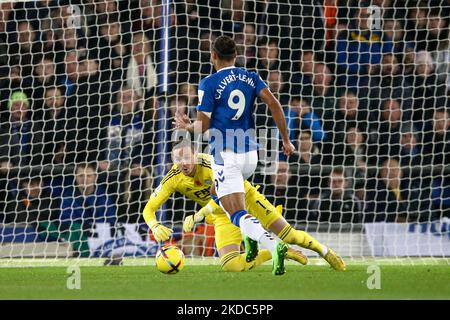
[272,219]
[252,251]
[232,260]
[292,236]
[228,243]
[229,185]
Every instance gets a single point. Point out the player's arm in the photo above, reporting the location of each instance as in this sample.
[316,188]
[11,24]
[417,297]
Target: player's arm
[278,116]
[204,111]
[199,216]
[158,197]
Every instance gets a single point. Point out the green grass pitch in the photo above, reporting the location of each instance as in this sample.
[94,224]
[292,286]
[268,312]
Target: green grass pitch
[207,281]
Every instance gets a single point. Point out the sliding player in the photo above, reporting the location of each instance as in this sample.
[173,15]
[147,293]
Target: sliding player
[193,171]
[192,176]
[226,108]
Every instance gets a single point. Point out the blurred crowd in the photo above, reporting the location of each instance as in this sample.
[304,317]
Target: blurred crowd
[363,84]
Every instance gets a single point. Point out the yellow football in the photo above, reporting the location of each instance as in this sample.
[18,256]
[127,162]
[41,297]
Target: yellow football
[170,259]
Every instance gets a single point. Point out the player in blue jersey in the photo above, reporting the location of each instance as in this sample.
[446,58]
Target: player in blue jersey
[226,109]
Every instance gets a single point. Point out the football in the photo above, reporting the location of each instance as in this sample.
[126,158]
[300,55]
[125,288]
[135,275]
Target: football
[170,259]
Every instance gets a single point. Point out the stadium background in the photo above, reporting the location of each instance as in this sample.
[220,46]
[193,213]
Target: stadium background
[367,106]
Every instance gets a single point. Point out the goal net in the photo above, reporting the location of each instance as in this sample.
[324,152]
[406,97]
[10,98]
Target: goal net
[89,91]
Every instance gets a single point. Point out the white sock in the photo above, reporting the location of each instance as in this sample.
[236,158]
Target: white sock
[252,228]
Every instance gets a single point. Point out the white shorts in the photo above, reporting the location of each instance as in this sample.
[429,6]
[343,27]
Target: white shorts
[229,177]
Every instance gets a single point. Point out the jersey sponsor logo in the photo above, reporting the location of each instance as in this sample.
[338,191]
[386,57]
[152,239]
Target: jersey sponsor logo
[202,194]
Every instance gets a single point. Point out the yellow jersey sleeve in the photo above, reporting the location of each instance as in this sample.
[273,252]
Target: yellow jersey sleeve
[163,192]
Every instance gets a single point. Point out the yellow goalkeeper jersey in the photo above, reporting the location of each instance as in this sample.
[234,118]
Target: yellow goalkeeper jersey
[195,188]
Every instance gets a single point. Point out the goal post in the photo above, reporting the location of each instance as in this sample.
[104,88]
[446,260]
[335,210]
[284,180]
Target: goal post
[89,91]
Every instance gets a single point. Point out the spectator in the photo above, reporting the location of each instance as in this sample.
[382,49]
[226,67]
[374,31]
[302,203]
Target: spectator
[437,152]
[24,46]
[188,92]
[355,157]
[111,52]
[141,73]
[129,134]
[277,85]
[8,183]
[205,68]
[437,138]
[36,205]
[349,113]
[337,204]
[308,182]
[85,105]
[178,106]
[83,204]
[441,59]
[392,198]
[387,82]
[394,32]
[14,81]
[410,149]
[385,140]
[250,45]
[54,125]
[5,11]
[430,29]
[233,16]
[358,50]
[268,57]
[281,189]
[44,75]
[133,194]
[4,14]
[321,92]
[429,91]
[309,120]
[302,76]
[240,50]
[21,141]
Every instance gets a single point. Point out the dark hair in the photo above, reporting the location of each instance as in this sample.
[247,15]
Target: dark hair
[307,131]
[32,180]
[441,110]
[56,87]
[85,165]
[225,47]
[338,170]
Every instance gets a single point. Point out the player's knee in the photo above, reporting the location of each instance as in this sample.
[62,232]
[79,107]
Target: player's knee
[236,264]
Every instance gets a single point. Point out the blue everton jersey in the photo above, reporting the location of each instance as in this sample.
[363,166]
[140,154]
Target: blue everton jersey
[228,98]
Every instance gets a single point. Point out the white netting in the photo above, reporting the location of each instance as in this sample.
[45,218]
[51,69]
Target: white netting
[364,87]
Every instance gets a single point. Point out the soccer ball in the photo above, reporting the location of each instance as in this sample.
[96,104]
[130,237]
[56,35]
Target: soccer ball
[170,259]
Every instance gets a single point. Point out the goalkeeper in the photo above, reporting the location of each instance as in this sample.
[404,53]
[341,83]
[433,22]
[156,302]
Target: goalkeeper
[192,176]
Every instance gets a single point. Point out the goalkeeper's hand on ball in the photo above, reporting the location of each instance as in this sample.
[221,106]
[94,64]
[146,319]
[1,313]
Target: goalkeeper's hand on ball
[191,220]
[160,232]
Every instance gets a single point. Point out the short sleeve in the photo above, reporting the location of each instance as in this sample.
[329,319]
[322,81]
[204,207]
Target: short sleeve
[260,84]
[205,99]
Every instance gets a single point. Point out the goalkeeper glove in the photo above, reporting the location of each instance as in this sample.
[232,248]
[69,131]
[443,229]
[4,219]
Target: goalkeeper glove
[160,232]
[189,222]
